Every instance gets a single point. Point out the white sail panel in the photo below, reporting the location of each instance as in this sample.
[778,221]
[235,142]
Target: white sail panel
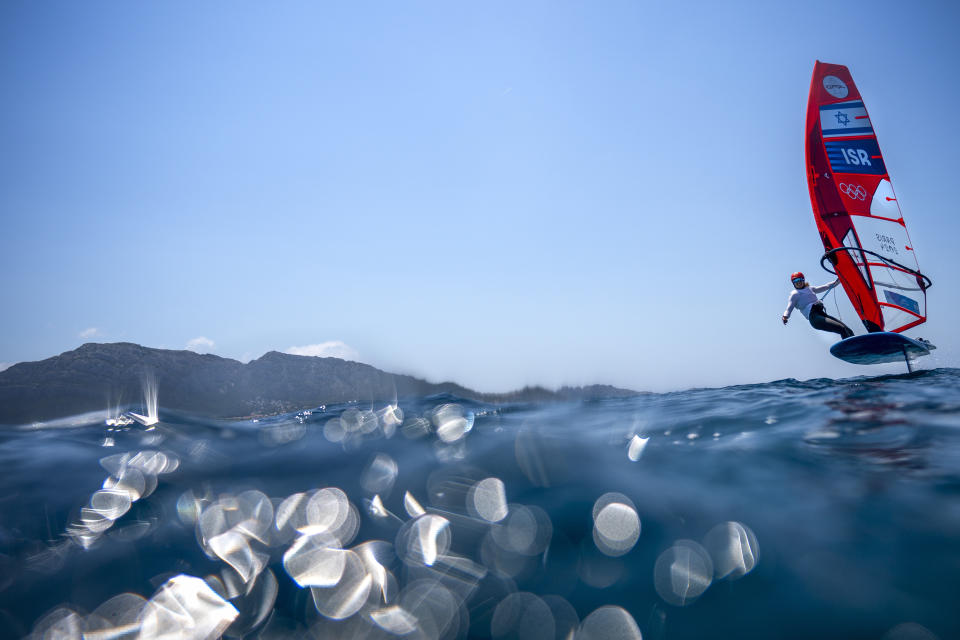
[888,239]
[893,286]
[884,204]
[896,318]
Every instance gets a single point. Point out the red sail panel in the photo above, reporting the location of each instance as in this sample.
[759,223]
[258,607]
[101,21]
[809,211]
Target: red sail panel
[855,206]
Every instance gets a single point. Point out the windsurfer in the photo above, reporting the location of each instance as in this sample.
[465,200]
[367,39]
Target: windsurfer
[804,297]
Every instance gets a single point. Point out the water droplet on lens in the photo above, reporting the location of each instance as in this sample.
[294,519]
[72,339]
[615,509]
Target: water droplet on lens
[395,620]
[110,503]
[910,631]
[616,529]
[414,428]
[438,611]
[428,538]
[376,508]
[186,602]
[60,624]
[115,463]
[154,462]
[682,573]
[327,511]
[450,422]
[421,541]
[254,515]
[255,603]
[616,525]
[565,616]
[637,445]
[117,616]
[234,548]
[129,480]
[291,514]
[333,430]
[376,554]
[412,507]
[733,548]
[390,418]
[525,530]
[609,623]
[379,474]
[315,561]
[523,616]
[343,599]
[596,569]
[487,499]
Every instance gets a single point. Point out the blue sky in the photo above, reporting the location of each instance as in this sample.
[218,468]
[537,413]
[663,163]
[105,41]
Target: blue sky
[495,193]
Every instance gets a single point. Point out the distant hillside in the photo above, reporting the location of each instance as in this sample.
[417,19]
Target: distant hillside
[96,376]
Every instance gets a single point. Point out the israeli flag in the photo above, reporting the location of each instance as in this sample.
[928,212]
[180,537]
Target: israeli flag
[845,119]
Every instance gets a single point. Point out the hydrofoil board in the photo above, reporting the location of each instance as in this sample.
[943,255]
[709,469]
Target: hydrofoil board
[880,347]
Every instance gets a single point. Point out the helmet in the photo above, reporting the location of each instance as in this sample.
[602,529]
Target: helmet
[796,275]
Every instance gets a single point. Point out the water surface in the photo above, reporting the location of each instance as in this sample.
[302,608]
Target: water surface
[823,508]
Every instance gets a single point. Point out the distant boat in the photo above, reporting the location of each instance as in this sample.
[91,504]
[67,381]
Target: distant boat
[860,222]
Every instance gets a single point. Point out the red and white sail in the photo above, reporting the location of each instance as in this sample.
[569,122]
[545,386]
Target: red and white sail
[855,206]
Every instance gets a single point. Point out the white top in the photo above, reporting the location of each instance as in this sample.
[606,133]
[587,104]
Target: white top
[805,298]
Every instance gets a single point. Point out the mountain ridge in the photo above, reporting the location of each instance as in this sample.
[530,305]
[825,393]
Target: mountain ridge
[95,376]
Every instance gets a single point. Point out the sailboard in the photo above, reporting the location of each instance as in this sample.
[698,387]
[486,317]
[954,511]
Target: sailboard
[860,223]
[880,347]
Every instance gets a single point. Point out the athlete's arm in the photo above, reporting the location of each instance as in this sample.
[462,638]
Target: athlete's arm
[791,303]
[825,287]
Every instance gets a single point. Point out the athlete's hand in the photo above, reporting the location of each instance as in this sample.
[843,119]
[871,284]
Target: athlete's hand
[784,318]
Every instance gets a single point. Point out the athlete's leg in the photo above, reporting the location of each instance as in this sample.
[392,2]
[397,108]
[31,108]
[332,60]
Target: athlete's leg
[845,331]
[823,322]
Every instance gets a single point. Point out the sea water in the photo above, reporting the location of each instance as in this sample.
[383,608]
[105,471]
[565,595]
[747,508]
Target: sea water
[793,509]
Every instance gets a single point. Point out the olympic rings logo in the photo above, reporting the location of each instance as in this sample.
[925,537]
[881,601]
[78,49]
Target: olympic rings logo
[853,191]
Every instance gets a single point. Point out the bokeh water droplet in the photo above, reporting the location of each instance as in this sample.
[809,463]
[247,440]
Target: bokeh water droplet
[315,560]
[616,525]
[733,548]
[379,474]
[636,448]
[910,631]
[487,499]
[344,598]
[683,573]
[117,617]
[412,507]
[425,539]
[522,616]
[395,620]
[609,623]
[186,607]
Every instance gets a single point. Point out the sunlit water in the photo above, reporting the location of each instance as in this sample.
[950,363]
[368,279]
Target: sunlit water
[817,509]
